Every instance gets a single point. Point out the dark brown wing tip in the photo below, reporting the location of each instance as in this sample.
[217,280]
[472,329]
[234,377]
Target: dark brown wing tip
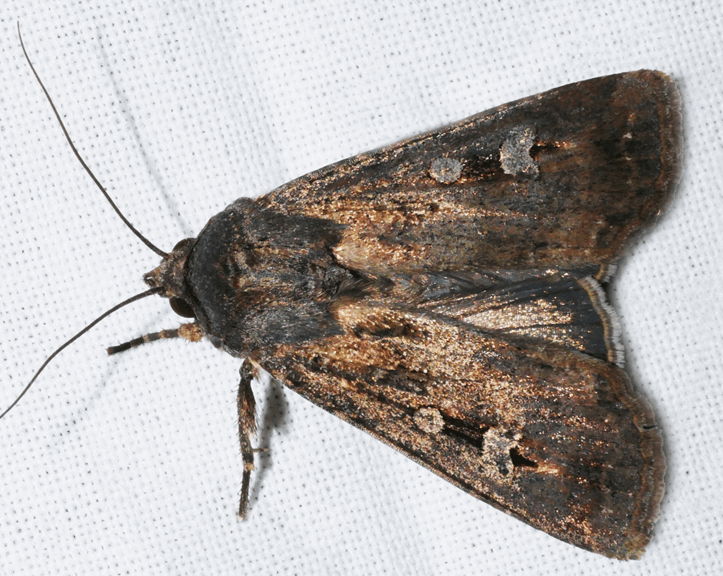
[651,495]
[660,92]
[671,128]
[647,509]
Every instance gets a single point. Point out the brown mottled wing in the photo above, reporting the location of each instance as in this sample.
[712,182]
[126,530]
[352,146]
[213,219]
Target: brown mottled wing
[552,436]
[562,179]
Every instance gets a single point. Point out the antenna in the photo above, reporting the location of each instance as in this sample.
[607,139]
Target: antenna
[156,290]
[147,242]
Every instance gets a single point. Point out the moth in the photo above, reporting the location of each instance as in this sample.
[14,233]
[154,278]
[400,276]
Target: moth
[445,295]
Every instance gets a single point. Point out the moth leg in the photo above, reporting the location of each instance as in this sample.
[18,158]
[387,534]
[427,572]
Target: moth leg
[246,428]
[190,331]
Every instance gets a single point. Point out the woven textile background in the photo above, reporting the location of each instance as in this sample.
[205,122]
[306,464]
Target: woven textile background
[130,464]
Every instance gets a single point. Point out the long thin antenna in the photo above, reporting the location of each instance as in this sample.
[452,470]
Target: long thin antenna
[147,242]
[155,290]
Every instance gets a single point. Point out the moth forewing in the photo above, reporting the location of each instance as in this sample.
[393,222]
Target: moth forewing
[552,436]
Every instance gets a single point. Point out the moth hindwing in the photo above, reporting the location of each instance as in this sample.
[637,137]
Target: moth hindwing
[444,294]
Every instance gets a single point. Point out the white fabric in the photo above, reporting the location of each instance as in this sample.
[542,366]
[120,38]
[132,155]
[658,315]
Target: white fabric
[131,464]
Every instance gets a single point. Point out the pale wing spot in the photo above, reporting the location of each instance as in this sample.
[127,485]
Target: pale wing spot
[429,420]
[515,155]
[445,170]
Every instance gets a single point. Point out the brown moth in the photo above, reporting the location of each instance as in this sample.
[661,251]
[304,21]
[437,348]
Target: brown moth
[444,295]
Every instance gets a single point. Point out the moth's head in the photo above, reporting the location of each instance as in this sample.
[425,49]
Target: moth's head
[170,276]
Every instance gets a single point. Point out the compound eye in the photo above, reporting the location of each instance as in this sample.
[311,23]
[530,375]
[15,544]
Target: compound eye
[182,243]
[182,308]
